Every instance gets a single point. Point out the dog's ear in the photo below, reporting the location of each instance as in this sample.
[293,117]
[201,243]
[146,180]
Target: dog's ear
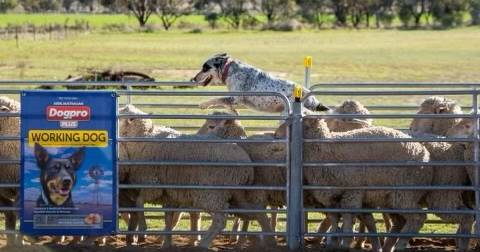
[77,158]
[220,60]
[221,55]
[41,155]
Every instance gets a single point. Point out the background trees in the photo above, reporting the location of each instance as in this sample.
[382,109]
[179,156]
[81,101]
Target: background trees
[250,13]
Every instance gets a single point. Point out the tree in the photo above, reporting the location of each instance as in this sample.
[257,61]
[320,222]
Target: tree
[313,11]
[233,11]
[413,10]
[141,9]
[212,19]
[356,10]
[170,10]
[274,9]
[40,5]
[449,13]
[340,10]
[7,5]
[475,11]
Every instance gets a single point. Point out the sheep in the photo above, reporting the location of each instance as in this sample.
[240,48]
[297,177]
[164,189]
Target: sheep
[367,176]
[212,201]
[231,128]
[347,124]
[9,150]
[465,129]
[258,152]
[164,132]
[443,151]
[435,126]
[343,125]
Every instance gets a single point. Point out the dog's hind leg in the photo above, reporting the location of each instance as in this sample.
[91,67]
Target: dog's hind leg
[225,102]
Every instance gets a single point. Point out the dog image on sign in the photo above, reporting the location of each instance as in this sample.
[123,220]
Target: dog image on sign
[57,177]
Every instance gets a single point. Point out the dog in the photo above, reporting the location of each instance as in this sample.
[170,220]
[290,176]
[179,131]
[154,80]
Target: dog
[237,76]
[57,177]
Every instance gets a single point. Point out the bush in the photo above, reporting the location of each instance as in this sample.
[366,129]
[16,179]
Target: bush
[449,13]
[250,22]
[196,30]
[212,19]
[405,15]
[185,25]
[386,18]
[475,11]
[120,27]
[288,25]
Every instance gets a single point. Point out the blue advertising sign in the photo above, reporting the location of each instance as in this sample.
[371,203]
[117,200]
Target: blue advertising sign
[68,179]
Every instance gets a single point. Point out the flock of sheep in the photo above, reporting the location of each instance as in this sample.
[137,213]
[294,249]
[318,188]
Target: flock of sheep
[215,201]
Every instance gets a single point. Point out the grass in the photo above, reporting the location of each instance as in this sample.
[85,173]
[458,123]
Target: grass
[339,55]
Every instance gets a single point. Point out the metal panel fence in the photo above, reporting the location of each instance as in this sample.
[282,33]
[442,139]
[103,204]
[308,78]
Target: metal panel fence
[296,212]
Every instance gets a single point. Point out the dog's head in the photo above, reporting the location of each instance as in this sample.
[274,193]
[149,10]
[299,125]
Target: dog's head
[57,175]
[212,70]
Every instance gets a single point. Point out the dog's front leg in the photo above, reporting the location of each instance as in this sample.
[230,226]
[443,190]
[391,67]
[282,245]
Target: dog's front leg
[226,102]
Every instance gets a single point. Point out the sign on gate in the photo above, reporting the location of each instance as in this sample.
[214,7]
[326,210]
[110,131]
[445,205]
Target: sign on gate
[68,179]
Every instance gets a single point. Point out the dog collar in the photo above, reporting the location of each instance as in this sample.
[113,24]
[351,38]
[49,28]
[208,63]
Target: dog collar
[225,70]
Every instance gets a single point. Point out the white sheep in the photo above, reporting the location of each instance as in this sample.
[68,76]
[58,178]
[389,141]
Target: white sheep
[347,124]
[443,151]
[367,176]
[261,152]
[9,150]
[258,152]
[435,126]
[173,217]
[212,201]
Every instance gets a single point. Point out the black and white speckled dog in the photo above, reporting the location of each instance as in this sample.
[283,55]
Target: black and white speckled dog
[237,76]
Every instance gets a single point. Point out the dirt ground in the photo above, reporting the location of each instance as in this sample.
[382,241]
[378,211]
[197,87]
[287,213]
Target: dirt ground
[220,245]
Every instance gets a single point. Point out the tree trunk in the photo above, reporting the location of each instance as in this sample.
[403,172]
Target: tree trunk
[367,16]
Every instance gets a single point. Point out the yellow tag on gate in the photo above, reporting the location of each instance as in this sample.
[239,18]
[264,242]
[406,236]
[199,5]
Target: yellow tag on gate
[297,91]
[308,61]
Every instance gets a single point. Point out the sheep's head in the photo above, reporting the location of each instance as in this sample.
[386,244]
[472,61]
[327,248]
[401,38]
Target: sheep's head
[223,128]
[132,127]
[437,126]
[347,124]
[463,129]
[9,125]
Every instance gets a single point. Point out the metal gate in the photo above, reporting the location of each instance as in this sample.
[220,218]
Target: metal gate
[295,230]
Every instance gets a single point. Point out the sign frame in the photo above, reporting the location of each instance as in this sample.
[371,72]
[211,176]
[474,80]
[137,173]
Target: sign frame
[96,171]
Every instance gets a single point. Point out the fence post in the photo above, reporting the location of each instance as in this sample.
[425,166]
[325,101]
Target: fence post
[16,36]
[476,182]
[295,199]
[307,62]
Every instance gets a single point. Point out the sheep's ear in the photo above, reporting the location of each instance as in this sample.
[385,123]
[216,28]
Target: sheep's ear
[281,132]
[130,120]
[4,109]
